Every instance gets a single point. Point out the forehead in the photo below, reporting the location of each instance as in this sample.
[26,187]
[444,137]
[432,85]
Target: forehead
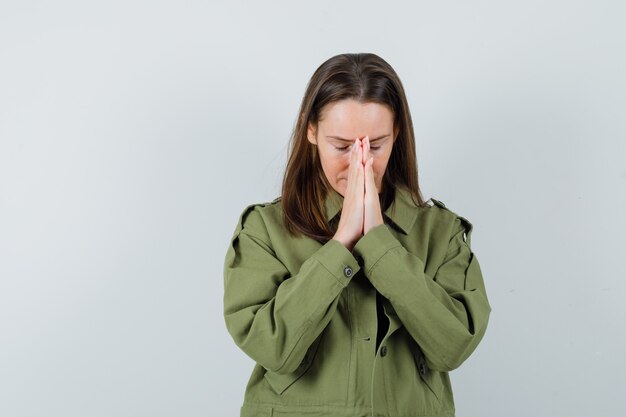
[350,118]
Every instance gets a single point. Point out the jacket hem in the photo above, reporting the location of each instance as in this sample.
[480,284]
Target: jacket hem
[277,410]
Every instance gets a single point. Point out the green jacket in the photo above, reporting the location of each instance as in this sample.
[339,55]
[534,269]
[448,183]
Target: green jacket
[307,313]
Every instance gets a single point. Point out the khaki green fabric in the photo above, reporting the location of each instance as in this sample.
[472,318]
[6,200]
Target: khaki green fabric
[306,312]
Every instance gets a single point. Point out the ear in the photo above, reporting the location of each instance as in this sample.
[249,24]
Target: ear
[311,134]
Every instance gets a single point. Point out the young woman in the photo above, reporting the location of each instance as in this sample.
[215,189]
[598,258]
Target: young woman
[353,295]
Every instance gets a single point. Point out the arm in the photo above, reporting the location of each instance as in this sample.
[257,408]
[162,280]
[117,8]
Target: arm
[274,316]
[446,314]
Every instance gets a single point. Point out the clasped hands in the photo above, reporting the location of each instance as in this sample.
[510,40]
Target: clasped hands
[361,204]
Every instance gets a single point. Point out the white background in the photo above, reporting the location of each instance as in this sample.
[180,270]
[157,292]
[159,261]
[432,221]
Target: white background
[133,134]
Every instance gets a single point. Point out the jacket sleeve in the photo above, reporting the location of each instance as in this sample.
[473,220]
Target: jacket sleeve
[272,315]
[446,314]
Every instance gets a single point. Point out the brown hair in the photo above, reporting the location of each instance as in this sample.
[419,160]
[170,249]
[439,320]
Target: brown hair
[364,77]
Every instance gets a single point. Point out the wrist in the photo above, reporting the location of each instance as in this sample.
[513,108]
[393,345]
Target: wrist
[345,242]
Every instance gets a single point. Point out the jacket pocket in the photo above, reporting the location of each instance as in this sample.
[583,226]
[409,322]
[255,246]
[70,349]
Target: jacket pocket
[431,378]
[280,382]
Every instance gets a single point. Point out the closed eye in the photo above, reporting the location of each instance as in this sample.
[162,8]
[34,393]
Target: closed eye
[343,148]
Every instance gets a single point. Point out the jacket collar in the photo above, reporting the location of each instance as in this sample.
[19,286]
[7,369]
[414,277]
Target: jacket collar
[403,216]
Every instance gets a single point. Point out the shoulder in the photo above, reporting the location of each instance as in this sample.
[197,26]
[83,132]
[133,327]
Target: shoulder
[257,217]
[451,222]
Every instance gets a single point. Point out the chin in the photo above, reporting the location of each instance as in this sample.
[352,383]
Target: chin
[341,188]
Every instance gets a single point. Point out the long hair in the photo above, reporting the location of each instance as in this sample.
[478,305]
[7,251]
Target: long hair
[364,77]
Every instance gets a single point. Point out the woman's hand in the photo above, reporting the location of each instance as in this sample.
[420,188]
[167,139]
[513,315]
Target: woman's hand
[350,228]
[372,216]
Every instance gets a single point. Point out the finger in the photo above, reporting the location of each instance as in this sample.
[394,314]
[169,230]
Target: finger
[371,194]
[361,174]
[355,156]
[369,177]
[351,171]
[358,156]
[366,150]
[357,146]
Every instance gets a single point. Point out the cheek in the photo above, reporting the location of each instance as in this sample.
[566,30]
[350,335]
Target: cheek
[379,165]
[343,161]
[380,160]
[330,160]
[338,164]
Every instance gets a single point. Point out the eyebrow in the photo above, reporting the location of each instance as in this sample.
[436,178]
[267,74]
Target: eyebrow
[352,140]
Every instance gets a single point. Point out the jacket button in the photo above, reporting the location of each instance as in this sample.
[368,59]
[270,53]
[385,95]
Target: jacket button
[383,351]
[422,368]
[347,271]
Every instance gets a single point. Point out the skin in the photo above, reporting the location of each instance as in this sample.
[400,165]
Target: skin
[355,167]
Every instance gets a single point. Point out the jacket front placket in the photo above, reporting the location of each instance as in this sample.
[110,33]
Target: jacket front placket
[381,381]
[363,303]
